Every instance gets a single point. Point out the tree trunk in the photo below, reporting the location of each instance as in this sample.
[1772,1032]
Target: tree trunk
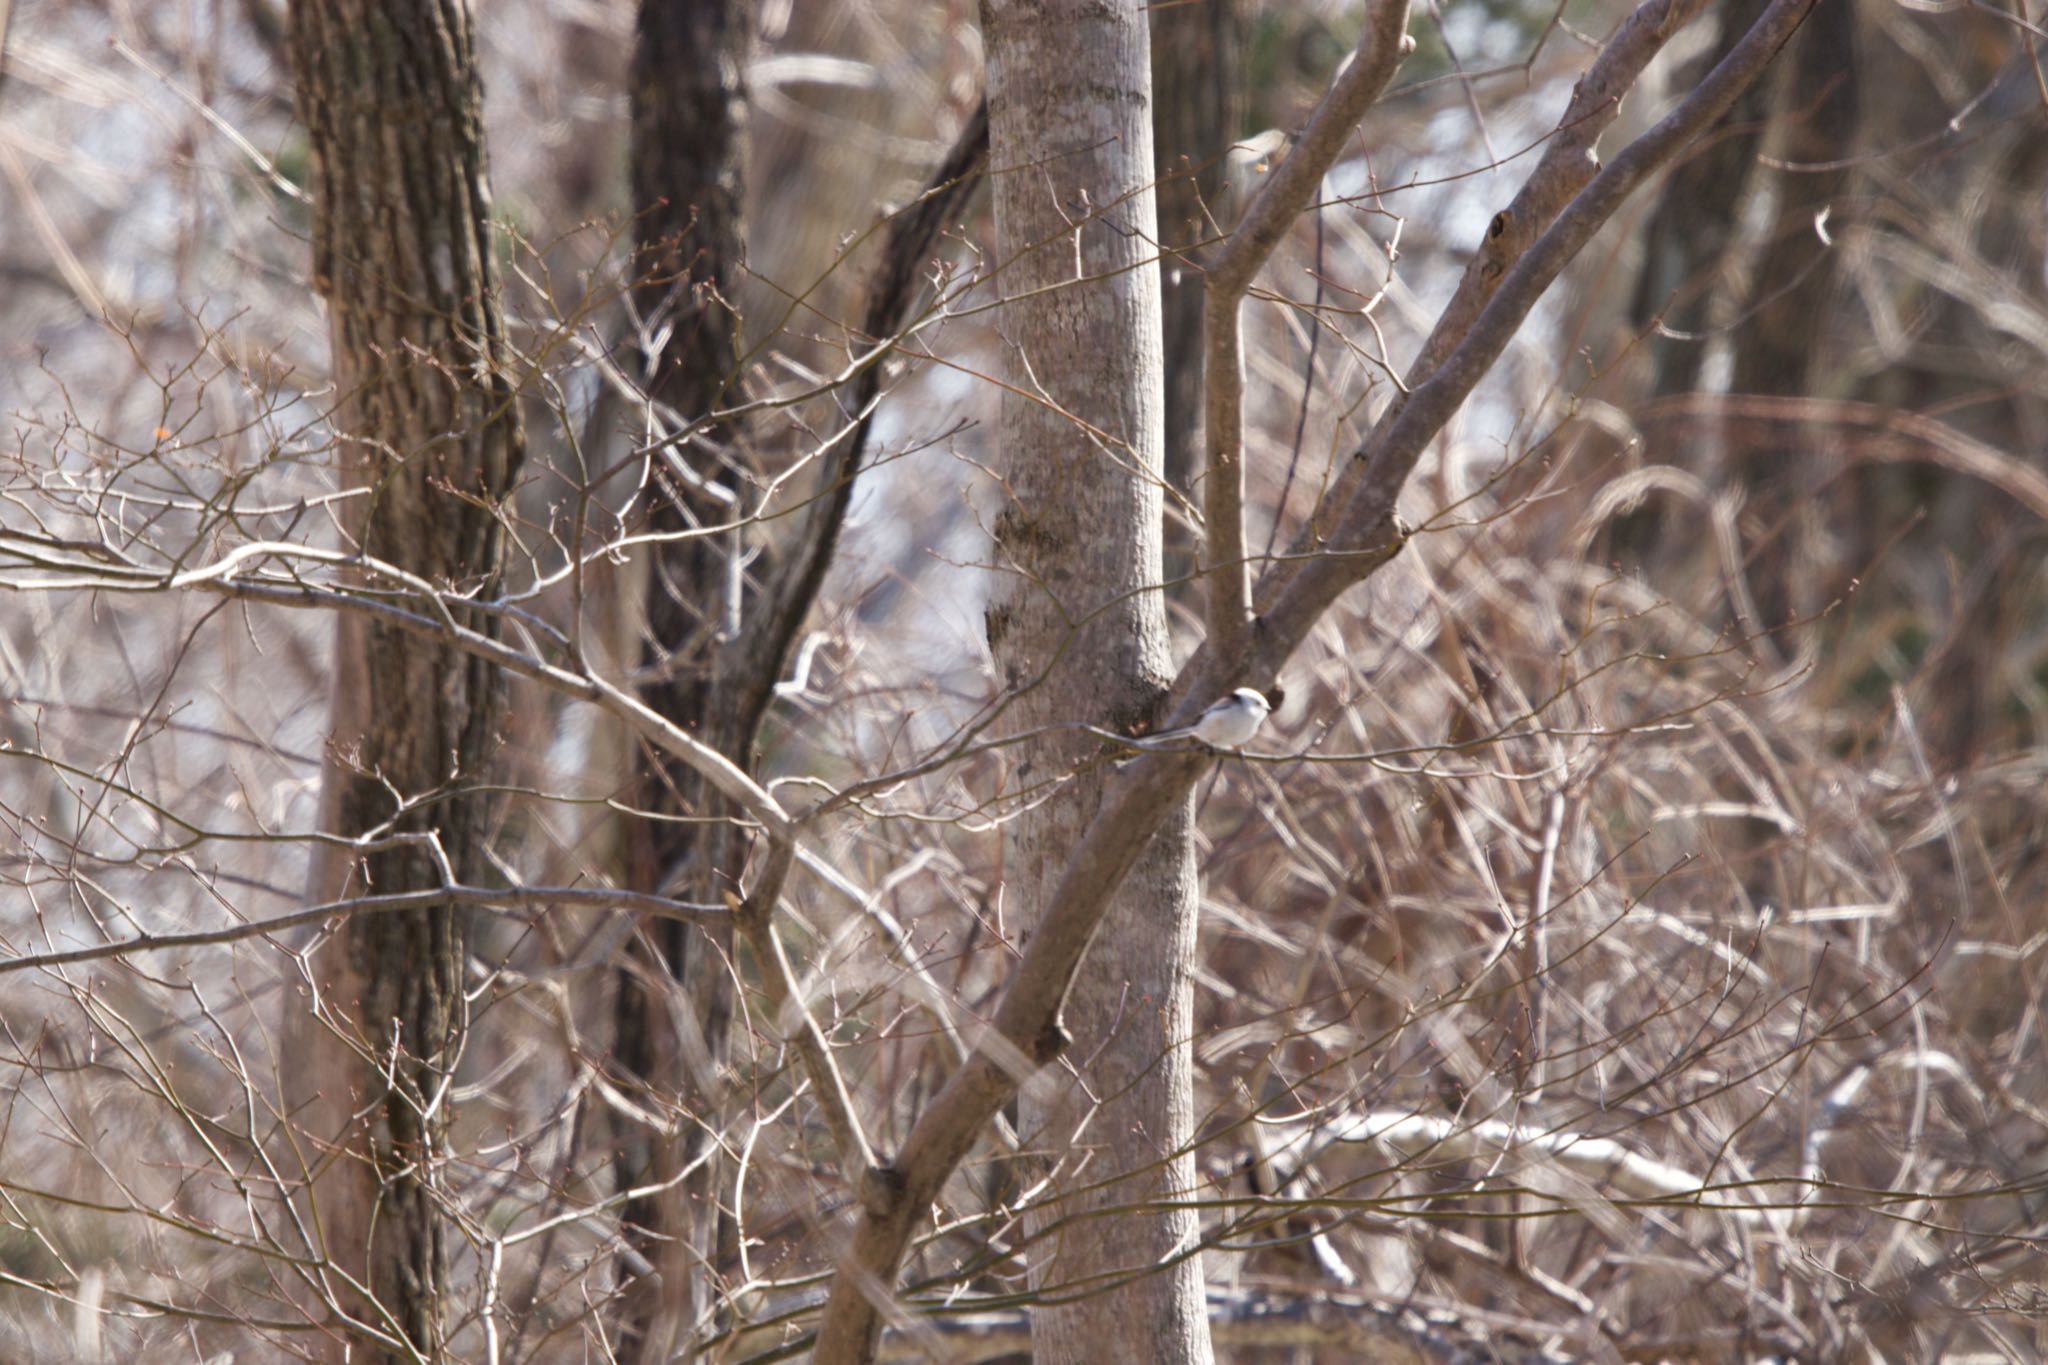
[1816,109]
[1080,542]
[428,421]
[1941,256]
[675,1003]
[1198,72]
[1793,278]
[1688,239]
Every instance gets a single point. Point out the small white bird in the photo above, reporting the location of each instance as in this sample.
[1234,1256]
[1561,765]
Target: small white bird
[1226,725]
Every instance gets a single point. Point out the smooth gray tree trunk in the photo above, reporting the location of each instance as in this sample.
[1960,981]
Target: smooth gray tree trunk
[1078,554]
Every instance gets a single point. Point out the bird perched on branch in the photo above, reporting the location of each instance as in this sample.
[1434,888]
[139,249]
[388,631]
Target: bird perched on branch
[1228,724]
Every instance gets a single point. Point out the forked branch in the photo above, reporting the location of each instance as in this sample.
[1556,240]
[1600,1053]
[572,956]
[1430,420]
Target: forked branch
[1027,1031]
[1285,194]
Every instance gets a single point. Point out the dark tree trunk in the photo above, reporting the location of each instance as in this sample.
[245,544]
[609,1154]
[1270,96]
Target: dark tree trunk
[1789,317]
[716,639]
[1687,242]
[1818,109]
[428,422]
[675,1003]
[1695,255]
[1198,108]
[1945,254]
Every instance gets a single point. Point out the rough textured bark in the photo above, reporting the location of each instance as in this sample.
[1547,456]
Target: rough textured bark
[1080,543]
[428,421]
[675,1002]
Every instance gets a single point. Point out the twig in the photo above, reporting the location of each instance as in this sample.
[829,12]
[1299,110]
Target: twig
[755,917]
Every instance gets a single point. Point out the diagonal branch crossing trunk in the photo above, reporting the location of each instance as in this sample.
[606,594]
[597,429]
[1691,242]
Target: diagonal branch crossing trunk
[1079,601]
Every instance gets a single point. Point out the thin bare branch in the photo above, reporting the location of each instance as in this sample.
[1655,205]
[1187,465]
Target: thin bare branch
[1381,47]
[755,917]
[472,897]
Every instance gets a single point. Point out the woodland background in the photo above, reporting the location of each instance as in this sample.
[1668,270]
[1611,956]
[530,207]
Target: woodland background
[1625,942]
